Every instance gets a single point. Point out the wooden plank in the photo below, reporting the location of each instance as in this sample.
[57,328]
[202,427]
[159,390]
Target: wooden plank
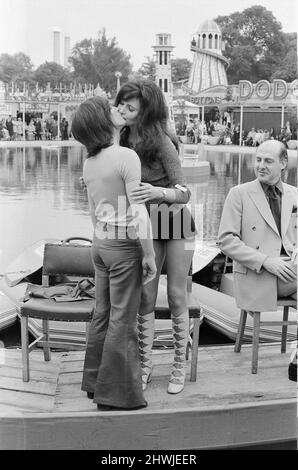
[28,401]
[36,356]
[42,376]
[73,355]
[210,389]
[198,428]
[8,411]
[72,366]
[46,367]
[33,386]
[224,378]
[70,378]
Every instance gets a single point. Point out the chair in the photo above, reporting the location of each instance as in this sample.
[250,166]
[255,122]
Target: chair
[286,303]
[59,258]
[162,312]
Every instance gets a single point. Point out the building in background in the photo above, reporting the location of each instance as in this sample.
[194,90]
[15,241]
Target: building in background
[163,49]
[66,51]
[56,46]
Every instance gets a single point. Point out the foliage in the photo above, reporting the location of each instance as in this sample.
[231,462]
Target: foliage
[256,45]
[15,68]
[287,67]
[180,69]
[96,61]
[147,70]
[53,73]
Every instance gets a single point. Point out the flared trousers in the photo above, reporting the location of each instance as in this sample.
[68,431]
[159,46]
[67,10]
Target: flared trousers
[112,367]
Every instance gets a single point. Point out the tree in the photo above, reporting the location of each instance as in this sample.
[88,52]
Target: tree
[15,68]
[242,64]
[53,73]
[257,32]
[96,61]
[287,67]
[147,70]
[180,69]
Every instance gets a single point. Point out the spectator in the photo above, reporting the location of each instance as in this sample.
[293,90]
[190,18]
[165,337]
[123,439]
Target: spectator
[236,135]
[30,130]
[272,133]
[251,136]
[19,129]
[49,129]
[54,129]
[5,134]
[9,127]
[64,129]
[38,129]
[284,136]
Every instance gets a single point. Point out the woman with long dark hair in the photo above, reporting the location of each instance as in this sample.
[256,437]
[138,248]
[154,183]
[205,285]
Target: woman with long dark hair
[163,189]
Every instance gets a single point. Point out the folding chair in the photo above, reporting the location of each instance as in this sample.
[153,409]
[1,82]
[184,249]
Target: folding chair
[59,258]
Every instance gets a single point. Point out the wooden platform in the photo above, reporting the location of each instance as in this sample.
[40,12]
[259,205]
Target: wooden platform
[226,407]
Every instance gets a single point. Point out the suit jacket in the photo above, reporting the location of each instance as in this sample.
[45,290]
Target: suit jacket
[248,234]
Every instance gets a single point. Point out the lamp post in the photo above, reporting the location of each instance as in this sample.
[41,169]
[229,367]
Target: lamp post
[118,75]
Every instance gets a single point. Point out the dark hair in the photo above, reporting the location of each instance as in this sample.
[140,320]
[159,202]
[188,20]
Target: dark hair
[283,153]
[92,125]
[152,120]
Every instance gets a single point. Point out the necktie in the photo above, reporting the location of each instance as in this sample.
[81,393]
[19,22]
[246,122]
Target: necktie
[274,202]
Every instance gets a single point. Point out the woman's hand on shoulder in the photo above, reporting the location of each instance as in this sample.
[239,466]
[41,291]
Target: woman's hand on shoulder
[146,192]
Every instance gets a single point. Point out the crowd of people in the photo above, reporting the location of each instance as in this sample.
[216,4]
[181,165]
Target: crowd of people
[35,129]
[228,133]
[224,133]
[255,137]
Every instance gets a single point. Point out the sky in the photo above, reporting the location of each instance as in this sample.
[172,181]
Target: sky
[27,25]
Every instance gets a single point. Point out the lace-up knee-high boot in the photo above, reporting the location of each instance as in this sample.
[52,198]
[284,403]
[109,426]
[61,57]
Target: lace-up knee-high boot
[180,325]
[146,336]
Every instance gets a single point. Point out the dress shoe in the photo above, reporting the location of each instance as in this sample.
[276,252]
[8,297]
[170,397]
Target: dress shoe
[90,395]
[292,372]
[116,408]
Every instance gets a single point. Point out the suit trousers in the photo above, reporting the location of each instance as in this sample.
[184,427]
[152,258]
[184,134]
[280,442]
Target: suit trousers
[112,367]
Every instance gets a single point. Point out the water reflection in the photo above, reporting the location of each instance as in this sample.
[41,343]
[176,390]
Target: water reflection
[41,197]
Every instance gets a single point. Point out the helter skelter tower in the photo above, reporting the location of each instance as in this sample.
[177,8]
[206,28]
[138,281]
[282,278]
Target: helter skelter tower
[208,67]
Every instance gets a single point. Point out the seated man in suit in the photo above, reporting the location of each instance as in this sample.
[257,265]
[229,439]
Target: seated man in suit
[258,230]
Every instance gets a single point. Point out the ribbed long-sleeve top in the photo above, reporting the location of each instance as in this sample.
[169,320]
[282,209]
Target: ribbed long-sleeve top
[166,171]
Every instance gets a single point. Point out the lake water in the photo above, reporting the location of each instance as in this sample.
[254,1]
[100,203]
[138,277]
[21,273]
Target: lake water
[41,197]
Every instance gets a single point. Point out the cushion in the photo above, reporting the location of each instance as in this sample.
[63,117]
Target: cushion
[49,309]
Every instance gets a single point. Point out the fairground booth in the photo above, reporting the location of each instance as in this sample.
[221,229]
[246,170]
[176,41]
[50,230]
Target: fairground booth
[207,96]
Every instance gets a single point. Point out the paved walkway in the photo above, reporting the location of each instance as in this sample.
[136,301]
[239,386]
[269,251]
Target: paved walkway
[188,148]
[39,143]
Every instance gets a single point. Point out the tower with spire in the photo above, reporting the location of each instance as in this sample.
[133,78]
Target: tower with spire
[163,49]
